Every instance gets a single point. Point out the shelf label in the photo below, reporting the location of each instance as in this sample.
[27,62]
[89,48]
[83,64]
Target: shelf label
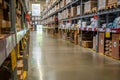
[107,34]
[115,44]
[13,59]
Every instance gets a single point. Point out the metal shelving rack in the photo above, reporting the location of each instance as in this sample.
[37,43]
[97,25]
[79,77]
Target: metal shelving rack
[9,44]
[98,13]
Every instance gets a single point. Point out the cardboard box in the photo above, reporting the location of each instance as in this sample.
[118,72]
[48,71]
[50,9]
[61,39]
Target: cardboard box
[68,11]
[115,46]
[73,11]
[89,5]
[3,24]
[101,42]
[87,44]
[102,4]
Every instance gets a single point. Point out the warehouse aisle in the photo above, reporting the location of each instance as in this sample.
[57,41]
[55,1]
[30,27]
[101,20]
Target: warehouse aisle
[56,59]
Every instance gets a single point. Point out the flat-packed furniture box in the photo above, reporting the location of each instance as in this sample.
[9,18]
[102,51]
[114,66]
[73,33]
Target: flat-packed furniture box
[87,44]
[101,42]
[116,45]
[73,11]
[89,5]
[102,4]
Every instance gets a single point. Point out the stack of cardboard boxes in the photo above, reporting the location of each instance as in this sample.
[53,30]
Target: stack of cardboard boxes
[108,47]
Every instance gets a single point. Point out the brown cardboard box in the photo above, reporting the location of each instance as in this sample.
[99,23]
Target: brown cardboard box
[89,5]
[115,46]
[101,42]
[87,44]
[73,11]
[68,13]
[3,24]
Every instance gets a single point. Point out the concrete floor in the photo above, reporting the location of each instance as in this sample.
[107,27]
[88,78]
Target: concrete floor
[56,59]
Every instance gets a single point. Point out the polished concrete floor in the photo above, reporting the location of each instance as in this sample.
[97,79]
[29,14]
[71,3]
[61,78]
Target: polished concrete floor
[52,58]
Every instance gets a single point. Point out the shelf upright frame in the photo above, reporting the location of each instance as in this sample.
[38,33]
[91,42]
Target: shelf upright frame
[13,30]
[81,5]
[97,36]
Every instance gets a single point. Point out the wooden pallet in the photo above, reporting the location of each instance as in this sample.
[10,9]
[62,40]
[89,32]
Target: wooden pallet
[110,6]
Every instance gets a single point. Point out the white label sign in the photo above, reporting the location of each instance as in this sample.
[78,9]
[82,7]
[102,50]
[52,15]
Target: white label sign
[115,44]
[35,9]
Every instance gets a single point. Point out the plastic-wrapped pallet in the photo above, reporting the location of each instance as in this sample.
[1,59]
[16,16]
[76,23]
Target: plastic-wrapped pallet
[102,4]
